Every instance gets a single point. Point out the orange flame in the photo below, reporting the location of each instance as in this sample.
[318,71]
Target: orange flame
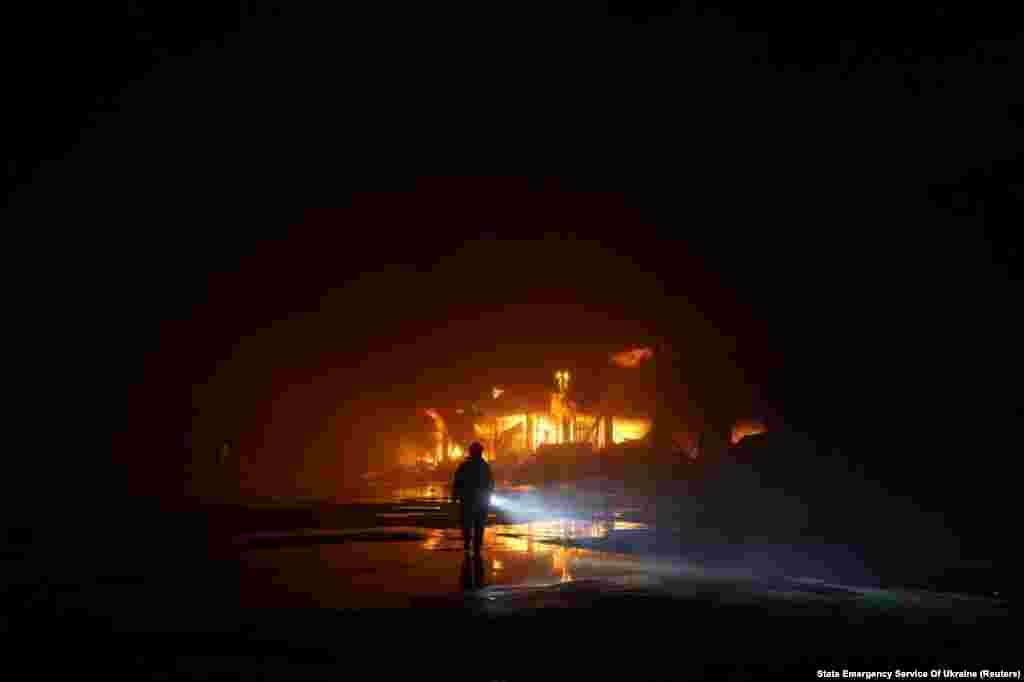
[439,433]
[438,421]
[624,430]
[632,358]
[742,429]
[559,408]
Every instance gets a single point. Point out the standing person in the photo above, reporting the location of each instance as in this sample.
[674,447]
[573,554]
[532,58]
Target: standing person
[472,487]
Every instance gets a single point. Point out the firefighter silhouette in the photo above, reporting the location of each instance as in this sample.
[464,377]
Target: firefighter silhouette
[472,488]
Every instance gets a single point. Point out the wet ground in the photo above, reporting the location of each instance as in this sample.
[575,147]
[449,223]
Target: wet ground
[566,580]
[546,548]
[400,566]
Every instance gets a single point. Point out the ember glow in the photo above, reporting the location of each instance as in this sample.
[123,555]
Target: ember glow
[745,428]
[632,358]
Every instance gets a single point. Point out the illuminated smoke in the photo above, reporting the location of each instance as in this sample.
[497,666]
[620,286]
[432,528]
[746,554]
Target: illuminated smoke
[632,358]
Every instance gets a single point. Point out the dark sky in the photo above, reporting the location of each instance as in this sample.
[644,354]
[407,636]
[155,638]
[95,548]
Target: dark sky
[224,230]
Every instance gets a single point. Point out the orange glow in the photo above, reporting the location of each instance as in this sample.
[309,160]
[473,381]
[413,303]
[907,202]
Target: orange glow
[519,545]
[409,455]
[438,421]
[632,358]
[629,429]
[422,492]
[562,380]
[507,429]
[511,422]
[559,408]
[745,428]
[434,538]
[545,430]
[439,433]
[561,562]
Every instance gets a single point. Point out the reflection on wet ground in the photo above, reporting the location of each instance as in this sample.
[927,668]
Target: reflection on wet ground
[389,566]
[410,550]
[425,492]
[171,611]
[389,549]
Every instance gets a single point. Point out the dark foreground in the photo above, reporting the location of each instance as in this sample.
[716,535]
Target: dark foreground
[635,635]
[384,591]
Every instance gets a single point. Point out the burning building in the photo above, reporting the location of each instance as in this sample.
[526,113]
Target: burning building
[516,421]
